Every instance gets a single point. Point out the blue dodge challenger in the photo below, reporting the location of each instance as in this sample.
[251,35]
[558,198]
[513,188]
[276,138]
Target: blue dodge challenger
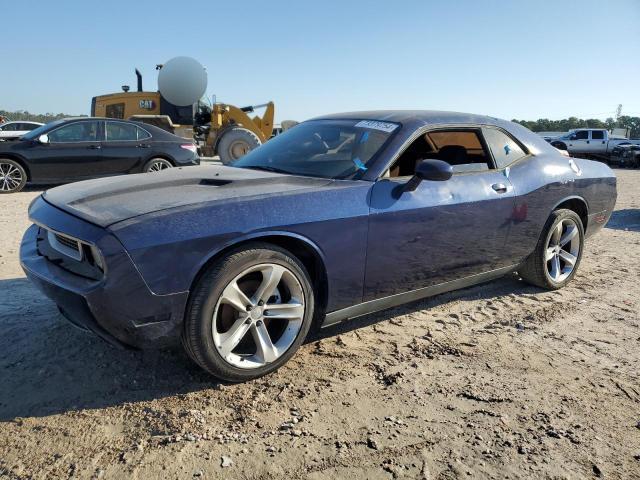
[340,216]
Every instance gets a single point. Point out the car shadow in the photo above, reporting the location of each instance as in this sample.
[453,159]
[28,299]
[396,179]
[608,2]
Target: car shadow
[627,219]
[49,367]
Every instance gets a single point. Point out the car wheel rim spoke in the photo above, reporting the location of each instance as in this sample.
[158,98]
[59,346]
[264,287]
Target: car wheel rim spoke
[561,254]
[271,277]
[266,350]
[567,257]
[569,235]
[232,338]
[232,295]
[258,316]
[288,311]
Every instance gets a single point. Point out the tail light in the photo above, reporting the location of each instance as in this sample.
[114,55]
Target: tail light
[189,146]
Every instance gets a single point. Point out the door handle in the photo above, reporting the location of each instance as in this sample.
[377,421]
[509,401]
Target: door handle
[94,147]
[144,145]
[499,187]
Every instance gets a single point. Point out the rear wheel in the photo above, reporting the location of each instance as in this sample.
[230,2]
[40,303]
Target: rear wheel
[558,253]
[157,165]
[249,313]
[13,177]
[235,143]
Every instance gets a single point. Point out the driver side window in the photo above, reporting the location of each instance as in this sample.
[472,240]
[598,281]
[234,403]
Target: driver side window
[75,132]
[461,148]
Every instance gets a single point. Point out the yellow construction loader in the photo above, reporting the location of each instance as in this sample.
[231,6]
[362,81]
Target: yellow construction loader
[219,128]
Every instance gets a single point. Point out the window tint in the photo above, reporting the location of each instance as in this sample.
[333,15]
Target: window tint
[504,149]
[462,149]
[597,135]
[582,135]
[11,127]
[119,132]
[142,134]
[75,132]
[115,110]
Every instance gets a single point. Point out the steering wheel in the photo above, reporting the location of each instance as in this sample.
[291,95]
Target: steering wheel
[316,136]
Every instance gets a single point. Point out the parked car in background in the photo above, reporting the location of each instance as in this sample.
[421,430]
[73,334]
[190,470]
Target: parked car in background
[590,142]
[338,217]
[626,156]
[82,148]
[14,130]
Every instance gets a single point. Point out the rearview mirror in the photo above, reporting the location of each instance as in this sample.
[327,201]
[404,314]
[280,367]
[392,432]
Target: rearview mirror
[431,169]
[44,138]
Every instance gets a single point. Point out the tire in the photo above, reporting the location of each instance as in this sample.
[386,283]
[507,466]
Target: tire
[540,266]
[235,143]
[13,176]
[157,165]
[232,353]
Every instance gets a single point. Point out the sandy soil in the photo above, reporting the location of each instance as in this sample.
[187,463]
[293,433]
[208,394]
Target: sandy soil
[500,380]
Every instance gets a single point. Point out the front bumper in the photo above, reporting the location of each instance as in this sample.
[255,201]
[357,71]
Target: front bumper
[119,307]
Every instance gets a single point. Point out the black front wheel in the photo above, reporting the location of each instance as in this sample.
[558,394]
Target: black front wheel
[249,313]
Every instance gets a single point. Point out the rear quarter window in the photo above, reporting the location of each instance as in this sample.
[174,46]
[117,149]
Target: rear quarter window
[505,150]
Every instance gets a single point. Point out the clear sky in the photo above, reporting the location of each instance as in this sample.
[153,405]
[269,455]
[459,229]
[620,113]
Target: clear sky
[513,58]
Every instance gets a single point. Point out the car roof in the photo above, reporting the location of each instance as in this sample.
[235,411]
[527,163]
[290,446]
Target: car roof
[408,116]
[21,121]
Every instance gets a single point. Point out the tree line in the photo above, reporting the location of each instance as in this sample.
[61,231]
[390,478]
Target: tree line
[35,117]
[546,125]
[540,125]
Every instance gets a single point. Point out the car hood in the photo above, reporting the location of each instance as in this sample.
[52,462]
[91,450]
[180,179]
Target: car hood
[110,200]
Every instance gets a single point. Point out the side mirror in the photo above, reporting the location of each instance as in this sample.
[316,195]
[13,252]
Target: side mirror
[573,137]
[44,138]
[434,170]
[431,169]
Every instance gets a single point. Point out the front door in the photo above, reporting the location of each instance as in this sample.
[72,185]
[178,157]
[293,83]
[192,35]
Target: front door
[579,141]
[443,230]
[73,152]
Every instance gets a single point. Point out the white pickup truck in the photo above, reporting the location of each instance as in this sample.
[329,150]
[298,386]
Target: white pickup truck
[595,142]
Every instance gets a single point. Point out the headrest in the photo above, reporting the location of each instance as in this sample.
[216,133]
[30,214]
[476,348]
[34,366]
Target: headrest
[453,154]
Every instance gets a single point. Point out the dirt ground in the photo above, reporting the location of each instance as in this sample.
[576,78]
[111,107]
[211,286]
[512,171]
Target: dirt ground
[501,380]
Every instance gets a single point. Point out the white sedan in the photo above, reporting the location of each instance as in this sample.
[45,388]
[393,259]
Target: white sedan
[14,130]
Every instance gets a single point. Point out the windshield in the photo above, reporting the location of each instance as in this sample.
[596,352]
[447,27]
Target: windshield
[322,148]
[33,134]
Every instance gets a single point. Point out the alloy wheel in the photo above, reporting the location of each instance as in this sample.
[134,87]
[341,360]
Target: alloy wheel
[563,249]
[159,165]
[10,177]
[258,316]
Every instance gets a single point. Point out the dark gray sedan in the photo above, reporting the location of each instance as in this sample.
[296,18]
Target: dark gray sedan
[83,148]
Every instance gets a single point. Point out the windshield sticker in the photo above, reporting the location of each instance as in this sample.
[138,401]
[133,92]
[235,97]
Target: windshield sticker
[364,137]
[358,163]
[375,125]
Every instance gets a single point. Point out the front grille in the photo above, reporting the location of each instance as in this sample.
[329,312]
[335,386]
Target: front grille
[67,242]
[66,245]
[70,254]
